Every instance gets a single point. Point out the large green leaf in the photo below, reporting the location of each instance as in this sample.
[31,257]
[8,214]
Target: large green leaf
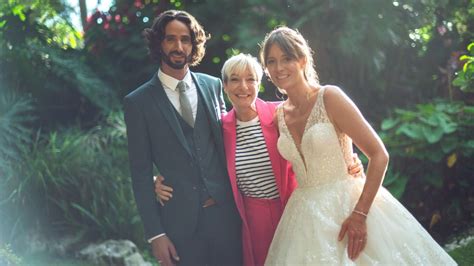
[445,122]
[431,120]
[432,135]
[396,184]
[406,115]
[411,130]
[468,109]
[389,123]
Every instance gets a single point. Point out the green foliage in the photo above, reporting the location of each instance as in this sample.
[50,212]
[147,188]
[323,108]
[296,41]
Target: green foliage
[77,181]
[29,48]
[465,78]
[395,182]
[45,19]
[464,256]
[7,257]
[15,135]
[431,148]
[72,177]
[115,44]
[432,132]
[15,117]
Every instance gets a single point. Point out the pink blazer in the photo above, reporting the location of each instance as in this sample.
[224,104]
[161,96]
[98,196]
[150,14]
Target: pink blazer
[284,175]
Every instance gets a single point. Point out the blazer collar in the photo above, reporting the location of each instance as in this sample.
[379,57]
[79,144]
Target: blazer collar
[263,111]
[229,120]
[158,93]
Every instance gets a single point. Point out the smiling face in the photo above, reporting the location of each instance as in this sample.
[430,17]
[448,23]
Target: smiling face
[286,72]
[176,46]
[242,88]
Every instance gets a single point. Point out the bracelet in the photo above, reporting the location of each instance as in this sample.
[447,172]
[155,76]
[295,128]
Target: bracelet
[359,212]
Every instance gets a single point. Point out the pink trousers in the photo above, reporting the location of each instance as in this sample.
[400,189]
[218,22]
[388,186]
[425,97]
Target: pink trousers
[263,216]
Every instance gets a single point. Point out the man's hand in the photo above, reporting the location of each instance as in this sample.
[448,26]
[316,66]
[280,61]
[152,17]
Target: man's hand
[356,169]
[164,251]
[163,192]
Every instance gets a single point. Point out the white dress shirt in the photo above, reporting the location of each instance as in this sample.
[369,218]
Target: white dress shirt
[170,85]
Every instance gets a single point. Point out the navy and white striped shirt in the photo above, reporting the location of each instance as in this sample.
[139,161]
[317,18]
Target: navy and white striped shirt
[253,167]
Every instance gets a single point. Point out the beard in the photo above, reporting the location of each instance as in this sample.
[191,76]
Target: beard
[176,65]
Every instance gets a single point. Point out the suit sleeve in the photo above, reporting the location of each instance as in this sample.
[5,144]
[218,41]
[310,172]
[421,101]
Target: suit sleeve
[220,96]
[141,168]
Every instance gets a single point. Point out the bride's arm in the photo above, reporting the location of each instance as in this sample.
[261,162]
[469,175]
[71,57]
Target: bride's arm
[347,119]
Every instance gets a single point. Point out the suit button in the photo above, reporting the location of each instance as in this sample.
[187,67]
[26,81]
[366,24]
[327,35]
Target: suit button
[194,188]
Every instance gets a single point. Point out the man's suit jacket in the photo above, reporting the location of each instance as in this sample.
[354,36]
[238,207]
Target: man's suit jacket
[155,137]
[284,176]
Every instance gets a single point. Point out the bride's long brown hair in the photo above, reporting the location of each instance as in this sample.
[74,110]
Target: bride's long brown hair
[292,43]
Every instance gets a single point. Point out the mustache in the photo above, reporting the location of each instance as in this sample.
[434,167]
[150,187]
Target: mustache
[176,53]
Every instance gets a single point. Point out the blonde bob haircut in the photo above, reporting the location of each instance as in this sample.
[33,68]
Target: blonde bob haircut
[240,63]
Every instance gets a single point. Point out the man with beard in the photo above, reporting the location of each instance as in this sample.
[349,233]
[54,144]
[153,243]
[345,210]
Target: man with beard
[173,123]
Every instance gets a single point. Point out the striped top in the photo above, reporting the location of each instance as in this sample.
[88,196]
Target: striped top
[253,167]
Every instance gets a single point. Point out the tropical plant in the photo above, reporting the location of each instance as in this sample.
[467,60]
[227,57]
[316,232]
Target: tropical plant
[37,43]
[432,147]
[75,181]
[16,115]
[465,78]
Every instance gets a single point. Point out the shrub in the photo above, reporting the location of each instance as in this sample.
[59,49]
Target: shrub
[77,181]
[433,146]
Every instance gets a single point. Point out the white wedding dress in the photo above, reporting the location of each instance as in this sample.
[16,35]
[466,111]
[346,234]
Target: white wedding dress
[325,197]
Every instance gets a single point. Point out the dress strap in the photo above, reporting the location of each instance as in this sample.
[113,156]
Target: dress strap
[280,117]
[320,115]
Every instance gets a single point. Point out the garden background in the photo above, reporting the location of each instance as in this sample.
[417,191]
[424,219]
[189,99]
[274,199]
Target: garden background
[407,64]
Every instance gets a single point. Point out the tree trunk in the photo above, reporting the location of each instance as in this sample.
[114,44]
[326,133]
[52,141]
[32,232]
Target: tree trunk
[83,12]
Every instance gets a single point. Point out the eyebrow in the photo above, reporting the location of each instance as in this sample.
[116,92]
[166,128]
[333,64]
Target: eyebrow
[174,35]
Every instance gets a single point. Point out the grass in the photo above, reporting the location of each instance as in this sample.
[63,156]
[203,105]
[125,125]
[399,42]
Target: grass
[464,255]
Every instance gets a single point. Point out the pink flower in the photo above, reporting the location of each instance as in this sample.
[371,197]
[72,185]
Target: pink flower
[138,4]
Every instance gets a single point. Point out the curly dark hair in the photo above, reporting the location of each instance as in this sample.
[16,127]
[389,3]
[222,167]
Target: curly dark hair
[155,35]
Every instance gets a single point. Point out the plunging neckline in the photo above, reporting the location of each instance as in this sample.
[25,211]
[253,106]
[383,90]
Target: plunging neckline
[306,127]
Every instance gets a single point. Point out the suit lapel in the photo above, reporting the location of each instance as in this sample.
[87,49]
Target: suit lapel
[165,106]
[205,92]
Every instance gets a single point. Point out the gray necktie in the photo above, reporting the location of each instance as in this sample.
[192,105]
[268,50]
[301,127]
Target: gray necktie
[186,110]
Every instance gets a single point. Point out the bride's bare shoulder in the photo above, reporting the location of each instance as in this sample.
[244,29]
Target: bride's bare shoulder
[334,96]
[332,91]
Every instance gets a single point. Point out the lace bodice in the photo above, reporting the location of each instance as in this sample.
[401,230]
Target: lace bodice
[326,152]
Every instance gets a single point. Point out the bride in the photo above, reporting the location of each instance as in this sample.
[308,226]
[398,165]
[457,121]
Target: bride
[332,218]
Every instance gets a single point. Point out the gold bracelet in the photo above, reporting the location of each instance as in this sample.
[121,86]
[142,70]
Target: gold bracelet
[359,212]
